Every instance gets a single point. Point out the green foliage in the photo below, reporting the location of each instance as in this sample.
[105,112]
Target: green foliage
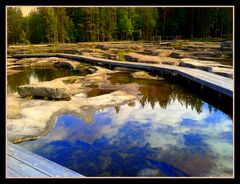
[124,24]
[120,55]
[35,24]
[180,43]
[54,49]
[209,39]
[50,24]
[14,25]
[95,24]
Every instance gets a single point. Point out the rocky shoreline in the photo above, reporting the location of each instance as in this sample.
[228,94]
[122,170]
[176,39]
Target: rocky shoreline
[31,112]
[29,117]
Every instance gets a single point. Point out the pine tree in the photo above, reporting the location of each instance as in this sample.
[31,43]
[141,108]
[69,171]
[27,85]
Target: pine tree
[35,26]
[49,20]
[14,25]
[50,25]
[124,24]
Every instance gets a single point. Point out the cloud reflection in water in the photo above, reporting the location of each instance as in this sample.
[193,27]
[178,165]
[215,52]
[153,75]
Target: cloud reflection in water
[181,139]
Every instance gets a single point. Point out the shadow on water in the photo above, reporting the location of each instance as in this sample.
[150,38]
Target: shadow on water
[96,91]
[169,132]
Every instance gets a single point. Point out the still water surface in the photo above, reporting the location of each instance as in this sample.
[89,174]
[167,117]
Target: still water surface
[168,132]
[29,75]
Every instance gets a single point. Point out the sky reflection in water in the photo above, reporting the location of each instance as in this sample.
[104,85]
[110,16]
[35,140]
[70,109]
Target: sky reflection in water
[132,140]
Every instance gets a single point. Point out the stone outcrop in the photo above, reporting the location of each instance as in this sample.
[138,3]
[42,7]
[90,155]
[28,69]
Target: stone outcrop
[54,89]
[144,75]
[12,71]
[158,52]
[226,72]
[209,66]
[37,116]
[179,54]
[13,108]
[49,62]
[227,46]
[11,62]
[66,65]
[135,57]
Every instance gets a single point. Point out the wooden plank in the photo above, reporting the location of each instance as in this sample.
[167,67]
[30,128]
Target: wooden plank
[216,82]
[12,173]
[24,169]
[41,164]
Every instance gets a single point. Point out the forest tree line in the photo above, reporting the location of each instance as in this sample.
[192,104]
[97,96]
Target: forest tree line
[95,24]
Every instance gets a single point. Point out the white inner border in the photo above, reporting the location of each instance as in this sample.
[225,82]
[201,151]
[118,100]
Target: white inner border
[166,6]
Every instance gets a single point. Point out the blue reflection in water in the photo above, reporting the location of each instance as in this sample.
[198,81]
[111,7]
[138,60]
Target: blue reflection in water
[167,169]
[141,141]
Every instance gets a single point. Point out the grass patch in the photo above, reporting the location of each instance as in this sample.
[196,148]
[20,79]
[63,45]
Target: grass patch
[120,55]
[70,80]
[208,39]
[180,43]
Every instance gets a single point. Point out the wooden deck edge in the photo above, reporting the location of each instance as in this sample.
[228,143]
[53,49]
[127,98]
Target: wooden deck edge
[23,163]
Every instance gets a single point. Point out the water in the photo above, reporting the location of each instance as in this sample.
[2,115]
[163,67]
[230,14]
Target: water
[29,75]
[169,132]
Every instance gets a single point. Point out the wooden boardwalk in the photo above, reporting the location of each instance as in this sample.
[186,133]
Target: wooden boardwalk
[221,84]
[22,163]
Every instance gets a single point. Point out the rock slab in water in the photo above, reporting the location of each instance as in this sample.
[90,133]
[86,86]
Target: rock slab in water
[144,75]
[54,89]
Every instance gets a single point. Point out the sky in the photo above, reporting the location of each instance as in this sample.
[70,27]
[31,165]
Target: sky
[26,10]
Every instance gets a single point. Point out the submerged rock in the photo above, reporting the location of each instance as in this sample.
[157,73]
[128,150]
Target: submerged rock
[61,64]
[55,89]
[124,69]
[144,75]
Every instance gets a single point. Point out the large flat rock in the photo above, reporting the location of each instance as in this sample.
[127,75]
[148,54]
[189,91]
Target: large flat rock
[135,57]
[13,107]
[210,66]
[48,62]
[55,89]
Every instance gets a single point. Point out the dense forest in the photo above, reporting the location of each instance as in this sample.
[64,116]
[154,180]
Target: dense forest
[70,25]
